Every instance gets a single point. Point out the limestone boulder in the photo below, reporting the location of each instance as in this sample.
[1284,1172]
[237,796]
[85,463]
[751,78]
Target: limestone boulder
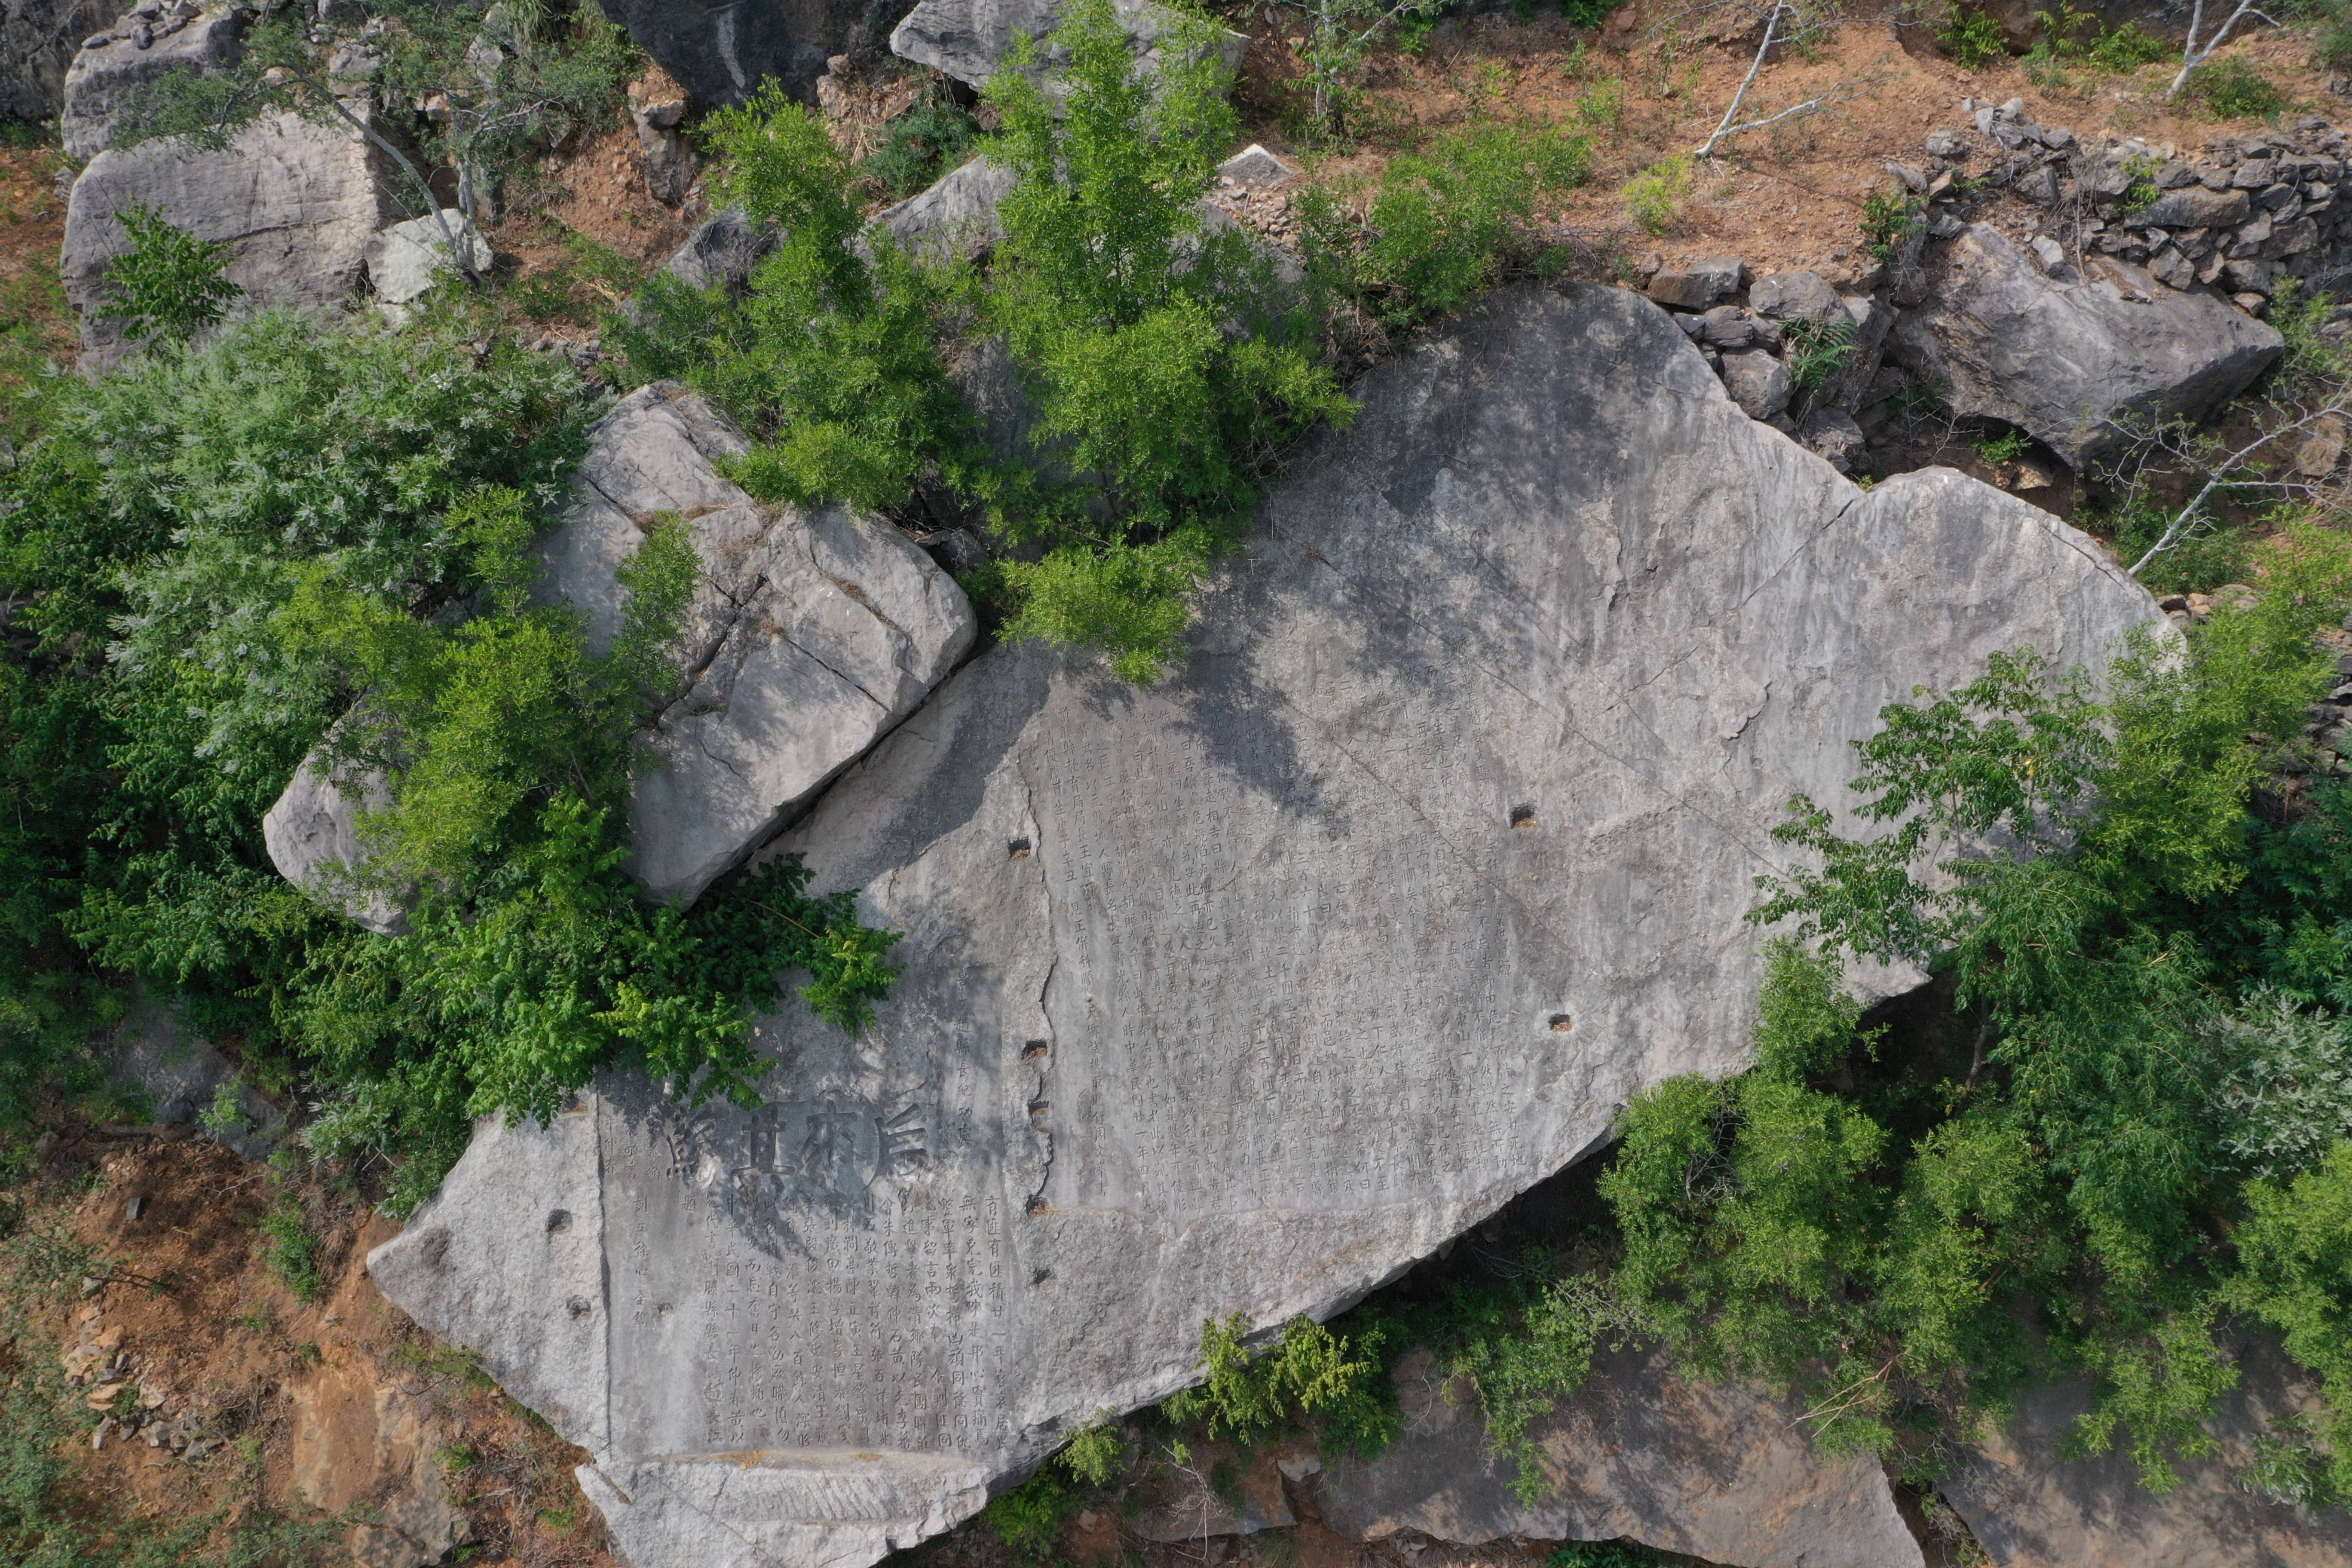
[719,50]
[969,40]
[295,202]
[153,1056]
[1242,992]
[2064,360]
[311,832]
[957,215]
[722,251]
[811,633]
[2029,1508]
[1722,1472]
[406,259]
[38,41]
[148,43]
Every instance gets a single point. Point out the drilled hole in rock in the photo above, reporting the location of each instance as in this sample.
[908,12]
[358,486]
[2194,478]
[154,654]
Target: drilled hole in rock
[1034,1050]
[559,1221]
[1018,848]
[1523,816]
[1037,1205]
[1038,1109]
[1041,1277]
[1562,1023]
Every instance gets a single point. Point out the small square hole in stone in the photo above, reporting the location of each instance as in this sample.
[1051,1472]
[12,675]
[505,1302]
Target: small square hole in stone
[1018,848]
[1562,1023]
[1034,1050]
[1523,816]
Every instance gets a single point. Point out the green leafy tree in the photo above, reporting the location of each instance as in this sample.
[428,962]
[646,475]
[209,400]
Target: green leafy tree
[168,286]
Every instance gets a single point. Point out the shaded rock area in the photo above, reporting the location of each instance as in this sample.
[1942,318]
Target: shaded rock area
[810,635]
[1538,646]
[148,43]
[968,39]
[38,41]
[720,50]
[722,251]
[1719,1471]
[295,203]
[2029,1508]
[2062,359]
[154,1055]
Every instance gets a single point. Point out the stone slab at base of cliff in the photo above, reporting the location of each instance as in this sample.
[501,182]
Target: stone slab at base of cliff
[1242,992]
[2029,1509]
[1720,1471]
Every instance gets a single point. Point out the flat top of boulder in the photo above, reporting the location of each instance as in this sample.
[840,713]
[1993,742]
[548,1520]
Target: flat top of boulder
[1242,992]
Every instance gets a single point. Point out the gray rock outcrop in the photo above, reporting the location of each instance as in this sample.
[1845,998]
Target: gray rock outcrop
[39,40]
[719,50]
[295,202]
[406,259]
[1244,992]
[2029,1508]
[2062,360]
[152,1055]
[723,250]
[968,39]
[1723,1472]
[957,215]
[811,633]
[312,833]
[147,44]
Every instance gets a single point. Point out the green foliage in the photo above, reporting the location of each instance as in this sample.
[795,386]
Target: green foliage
[168,286]
[2209,554]
[2072,37]
[292,528]
[1588,13]
[2331,34]
[1655,197]
[2295,1279]
[835,366]
[1606,1554]
[2286,1098]
[1889,217]
[1155,421]
[293,1252]
[2232,88]
[1095,1450]
[1307,1373]
[1972,38]
[2141,169]
[2005,447]
[1443,224]
[1027,1520]
[1818,352]
[920,145]
[1340,32]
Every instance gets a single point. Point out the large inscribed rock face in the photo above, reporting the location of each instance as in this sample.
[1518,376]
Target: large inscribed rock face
[1242,992]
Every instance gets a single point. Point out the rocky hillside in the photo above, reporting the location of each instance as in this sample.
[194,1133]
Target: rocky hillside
[1547,788]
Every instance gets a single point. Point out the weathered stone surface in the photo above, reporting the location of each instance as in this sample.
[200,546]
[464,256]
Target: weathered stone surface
[1702,284]
[2029,1509]
[151,1053]
[372,1449]
[967,38]
[405,259]
[2062,359]
[1758,382]
[1795,297]
[102,81]
[1242,992]
[957,215]
[311,832]
[39,40]
[1719,1471]
[723,249]
[295,203]
[2194,206]
[719,50]
[811,633]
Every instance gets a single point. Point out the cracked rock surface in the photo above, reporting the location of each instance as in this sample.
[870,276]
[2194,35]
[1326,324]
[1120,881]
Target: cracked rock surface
[2061,359]
[809,636]
[1244,992]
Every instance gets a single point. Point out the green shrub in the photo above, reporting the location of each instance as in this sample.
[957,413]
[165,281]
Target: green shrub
[2005,447]
[1445,222]
[293,1252]
[1027,1520]
[1588,13]
[2232,88]
[1889,217]
[2331,36]
[927,142]
[1655,197]
[1818,352]
[2126,48]
[1307,1373]
[1972,38]
[168,286]
[2210,552]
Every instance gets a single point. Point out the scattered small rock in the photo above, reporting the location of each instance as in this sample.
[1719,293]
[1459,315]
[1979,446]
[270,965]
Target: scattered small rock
[1699,285]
